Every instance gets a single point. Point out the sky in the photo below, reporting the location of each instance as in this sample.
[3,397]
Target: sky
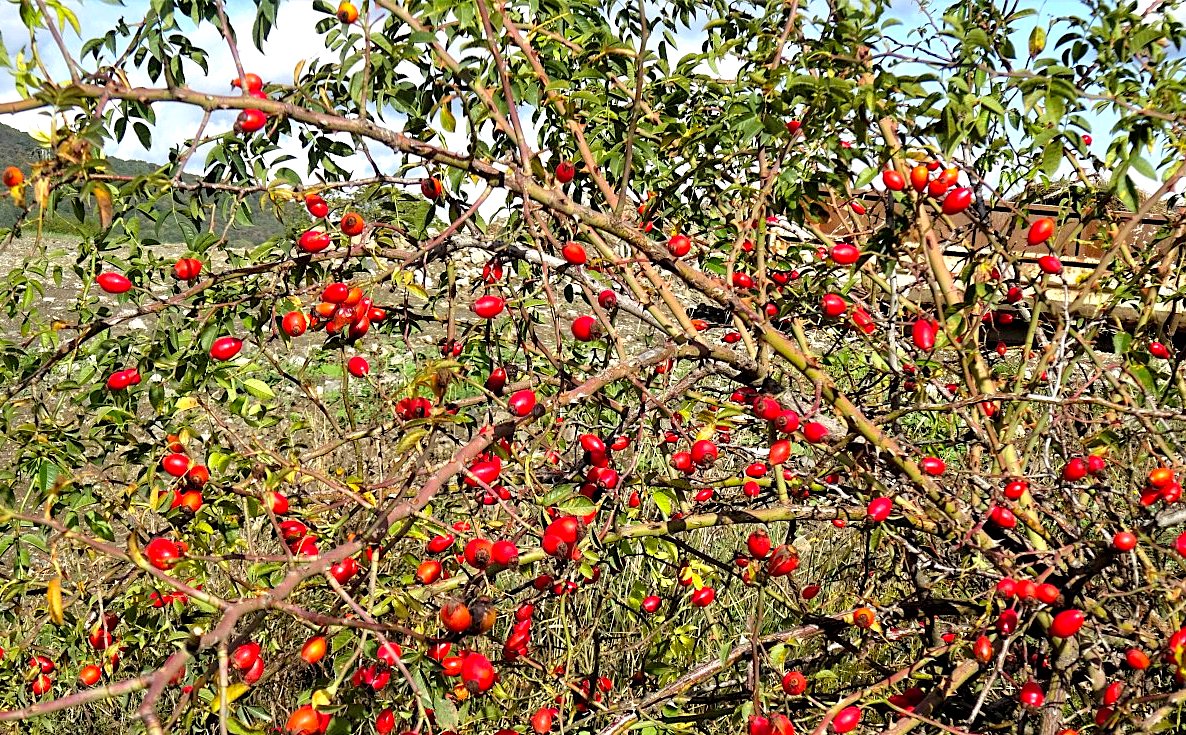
[295,38]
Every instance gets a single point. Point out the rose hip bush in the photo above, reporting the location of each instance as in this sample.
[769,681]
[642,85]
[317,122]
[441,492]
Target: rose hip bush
[600,380]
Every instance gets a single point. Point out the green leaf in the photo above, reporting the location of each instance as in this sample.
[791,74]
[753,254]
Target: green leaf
[993,105]
[35,541]
[665,500]
[1143,167]
[238,728]
[258,388]
[865,177]
[577,505]
[409,439]
[1128,193]
[446,713]
[143,133]
[47,474]
[1051,157]
[1144,377]
[556,495]
[1121,341]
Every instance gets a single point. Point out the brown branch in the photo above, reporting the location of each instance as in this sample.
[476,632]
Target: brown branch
[704,671]
[87,696]
[61,42]
[507,92]
[557,101]
[450,63]
[635,108]
[228,34]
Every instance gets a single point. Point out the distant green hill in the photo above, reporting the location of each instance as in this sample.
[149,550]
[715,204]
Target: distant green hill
[19,149]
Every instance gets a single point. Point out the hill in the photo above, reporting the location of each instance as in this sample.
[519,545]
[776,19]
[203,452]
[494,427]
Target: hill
[18,148]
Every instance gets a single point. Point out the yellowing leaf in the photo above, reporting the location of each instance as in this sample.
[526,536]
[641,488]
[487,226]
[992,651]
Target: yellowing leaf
[53,594]
[185,403]
[233,692]
[41,191]
[104,205]
[409,440]
[1037,41]
[537,167]
[321,698]
[134,552]
[65,15]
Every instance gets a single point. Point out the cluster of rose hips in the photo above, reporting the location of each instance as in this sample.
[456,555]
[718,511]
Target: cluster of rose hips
[1078,468]
[159,601]
[1066,623]
[478,617]
[562,535]
[314,240]
[484,470]
[299,537]
[476,672]
[954,200]
[585,694]
[519,636]
[306,720]
[794,684]
[187,494]
[483,555]
[483,473]
[374,676]
[413,407]
[1161,484]
[41,680]
[248,659]
[834,306]
[377,675]
[704,452]
[1025,590]
[475,618]
[779,560]
[123,379]
[343,309]
[164,553]
[600,476]
[779,724]
[250,120]
[101,638]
